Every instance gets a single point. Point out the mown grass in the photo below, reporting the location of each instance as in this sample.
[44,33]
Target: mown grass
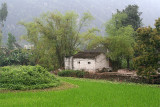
[90,93]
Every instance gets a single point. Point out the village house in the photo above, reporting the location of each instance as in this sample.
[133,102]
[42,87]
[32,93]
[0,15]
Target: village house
[88,61]
[28,47]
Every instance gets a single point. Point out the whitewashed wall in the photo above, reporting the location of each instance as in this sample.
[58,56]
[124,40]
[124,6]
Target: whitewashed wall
[68,63]
[84,64]
[90,65]
[101,62]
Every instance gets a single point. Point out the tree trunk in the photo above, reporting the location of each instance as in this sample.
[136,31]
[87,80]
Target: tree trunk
[128,67]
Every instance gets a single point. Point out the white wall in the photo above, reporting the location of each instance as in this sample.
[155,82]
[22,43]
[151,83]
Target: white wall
[98,63]
[101,62]
[83,65]
[68,62]
[28,47]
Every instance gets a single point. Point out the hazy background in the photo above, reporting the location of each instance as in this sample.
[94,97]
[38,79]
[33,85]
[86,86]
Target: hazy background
[26,10]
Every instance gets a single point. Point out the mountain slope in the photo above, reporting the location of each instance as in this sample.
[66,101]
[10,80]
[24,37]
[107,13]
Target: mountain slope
[26,10]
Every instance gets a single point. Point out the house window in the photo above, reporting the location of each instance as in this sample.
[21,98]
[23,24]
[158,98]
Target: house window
[79,62]
[89,62]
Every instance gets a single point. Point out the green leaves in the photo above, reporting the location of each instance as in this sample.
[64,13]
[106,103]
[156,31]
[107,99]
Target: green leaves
[120,39]
[11,41]
[3,13]
[56,35]
[115,23]
[26,78]
[3,16]
[14,57]
[0,38]
[147,50]
[133,16]
[72,73]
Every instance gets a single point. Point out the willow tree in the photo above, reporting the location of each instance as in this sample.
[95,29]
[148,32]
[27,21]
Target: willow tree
[57,34]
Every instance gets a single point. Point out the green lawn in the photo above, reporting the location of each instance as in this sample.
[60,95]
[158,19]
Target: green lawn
[90,93]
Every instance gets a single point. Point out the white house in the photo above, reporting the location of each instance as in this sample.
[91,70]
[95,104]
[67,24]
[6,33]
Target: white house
[87,61]
[28,47]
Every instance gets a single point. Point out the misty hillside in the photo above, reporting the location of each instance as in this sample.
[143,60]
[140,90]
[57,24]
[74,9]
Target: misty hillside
[26,10]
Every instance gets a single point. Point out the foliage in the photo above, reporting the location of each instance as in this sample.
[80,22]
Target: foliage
[92,39]
[3,16]
[11,41]
[3,13]
[55,36]
[26,78]
[147,50]
[72,73]
[121,45]
[120,40]
[0,38]
[133,16]
[14,57]
[115,24]
[124,64]
[121,31]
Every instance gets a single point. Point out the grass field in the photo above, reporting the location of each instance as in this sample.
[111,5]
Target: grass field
[86,93]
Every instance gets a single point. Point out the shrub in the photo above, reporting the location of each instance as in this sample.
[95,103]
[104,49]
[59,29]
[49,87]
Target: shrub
[26,78]
[14,57]
[72,73]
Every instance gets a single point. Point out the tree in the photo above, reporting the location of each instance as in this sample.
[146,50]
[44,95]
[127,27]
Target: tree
[120,39]
[91,39]
[115,24]
[148,51]
[56,35]
[133,16]
[3,13]
[128,16]
[11,41]
[0,38]
[3,16]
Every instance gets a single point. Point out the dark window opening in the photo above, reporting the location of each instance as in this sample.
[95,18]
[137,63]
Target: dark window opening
[89,62]
[79,62]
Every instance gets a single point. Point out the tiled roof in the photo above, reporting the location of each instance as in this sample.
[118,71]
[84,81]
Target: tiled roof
[87,54]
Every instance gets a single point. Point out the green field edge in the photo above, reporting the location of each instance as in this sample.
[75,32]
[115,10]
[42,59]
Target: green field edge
[63,86]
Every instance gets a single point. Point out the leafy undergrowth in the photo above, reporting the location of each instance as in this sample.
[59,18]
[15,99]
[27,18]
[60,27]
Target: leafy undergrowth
[72,73]
[90,93]
[26,78]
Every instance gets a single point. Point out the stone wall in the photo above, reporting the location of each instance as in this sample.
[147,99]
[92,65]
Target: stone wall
[114,76]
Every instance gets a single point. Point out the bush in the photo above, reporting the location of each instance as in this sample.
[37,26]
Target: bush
[14,57]
[72,73]
[26,78]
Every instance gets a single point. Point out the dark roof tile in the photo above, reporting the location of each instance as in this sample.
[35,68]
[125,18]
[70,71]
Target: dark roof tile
[86,54]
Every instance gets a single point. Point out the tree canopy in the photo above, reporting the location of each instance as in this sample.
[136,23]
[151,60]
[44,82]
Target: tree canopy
[11,41]
[133,16]
[3,16]
[3,13]
[57,35]
[120,39]
[147,50]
